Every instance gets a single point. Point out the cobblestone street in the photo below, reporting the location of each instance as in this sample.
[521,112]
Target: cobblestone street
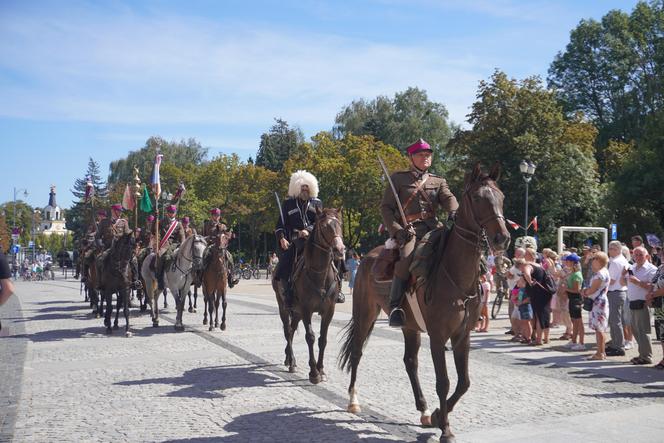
[63,379]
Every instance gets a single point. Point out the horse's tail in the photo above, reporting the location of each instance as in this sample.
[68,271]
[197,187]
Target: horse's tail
[356,333]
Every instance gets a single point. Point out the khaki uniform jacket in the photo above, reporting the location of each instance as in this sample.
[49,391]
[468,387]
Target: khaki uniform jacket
[176,238]
[108,229]
[210,226]
[189,231]
[420,206]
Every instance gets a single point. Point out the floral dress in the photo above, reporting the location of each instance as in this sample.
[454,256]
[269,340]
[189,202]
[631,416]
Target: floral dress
[598,318]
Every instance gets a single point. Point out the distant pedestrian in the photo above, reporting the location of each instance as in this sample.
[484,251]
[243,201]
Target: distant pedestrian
[352,264]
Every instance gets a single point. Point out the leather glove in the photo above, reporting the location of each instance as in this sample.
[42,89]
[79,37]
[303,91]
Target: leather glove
[452,216]
[402,237]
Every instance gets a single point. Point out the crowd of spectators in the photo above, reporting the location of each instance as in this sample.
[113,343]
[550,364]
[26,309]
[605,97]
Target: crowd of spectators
[620,290]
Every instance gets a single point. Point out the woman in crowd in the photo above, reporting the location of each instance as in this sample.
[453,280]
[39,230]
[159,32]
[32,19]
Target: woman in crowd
[561,295]
[540,299]
[351,264]
[483,322]
[550,265]
[598,319]
[656,299]
[573,288]
[627,320]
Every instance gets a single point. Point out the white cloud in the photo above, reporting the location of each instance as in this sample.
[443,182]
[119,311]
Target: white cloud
[144,70]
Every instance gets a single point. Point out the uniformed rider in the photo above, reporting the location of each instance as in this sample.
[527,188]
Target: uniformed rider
[171,236]
[212,229]
[145,240]
[88,243]
[107,231]
[421,194]
[188,229]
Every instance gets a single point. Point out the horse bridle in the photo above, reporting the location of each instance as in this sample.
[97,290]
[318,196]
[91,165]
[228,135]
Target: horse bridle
[328,244]
[481,225]
[197,239]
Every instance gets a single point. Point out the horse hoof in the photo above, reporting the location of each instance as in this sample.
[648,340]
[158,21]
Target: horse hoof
[109,331]
[223,326]
[210,328]
[194,310]
[434,418]
[447,439]
[292,369]
[116,327]
[128,334]
[314,379]
[354,408]
[425,420]
[97,315]
[191,310]
[204,321]
[216,324]
[144,308]
[179,328]
[155,324]
[323,377]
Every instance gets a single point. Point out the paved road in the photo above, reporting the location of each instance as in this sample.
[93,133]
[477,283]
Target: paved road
[62,379]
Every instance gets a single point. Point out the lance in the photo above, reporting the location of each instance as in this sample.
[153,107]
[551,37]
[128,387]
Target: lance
[406,225]
[281,213]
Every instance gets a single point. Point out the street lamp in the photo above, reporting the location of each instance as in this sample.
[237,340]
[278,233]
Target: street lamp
[527,169]
[14,232]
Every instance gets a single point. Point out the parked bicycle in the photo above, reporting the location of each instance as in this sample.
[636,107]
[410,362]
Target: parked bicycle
[502,290]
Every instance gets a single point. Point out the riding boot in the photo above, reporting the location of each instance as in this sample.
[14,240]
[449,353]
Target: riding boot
[160,275]
[288,294]
[397,315]
[340,295]
[232,279]
[84,275]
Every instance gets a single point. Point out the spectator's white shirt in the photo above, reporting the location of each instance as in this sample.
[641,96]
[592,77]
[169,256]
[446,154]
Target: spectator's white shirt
[616,266]
[644,273]
[511,282]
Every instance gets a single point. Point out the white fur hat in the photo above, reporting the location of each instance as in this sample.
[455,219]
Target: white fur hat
[299,178]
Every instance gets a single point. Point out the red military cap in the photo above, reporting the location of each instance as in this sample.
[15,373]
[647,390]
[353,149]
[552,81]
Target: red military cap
[117,207]
[418,146]
[150,218]
[215,211]
[185,220]
[171,209]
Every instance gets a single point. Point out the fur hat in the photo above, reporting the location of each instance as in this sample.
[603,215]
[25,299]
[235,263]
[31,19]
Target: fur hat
[299,178]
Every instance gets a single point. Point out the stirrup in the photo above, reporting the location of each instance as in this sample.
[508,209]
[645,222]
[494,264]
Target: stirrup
[397,318]
[341,298]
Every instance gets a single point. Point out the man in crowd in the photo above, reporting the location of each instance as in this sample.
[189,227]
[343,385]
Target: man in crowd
[638,279]
[616,296]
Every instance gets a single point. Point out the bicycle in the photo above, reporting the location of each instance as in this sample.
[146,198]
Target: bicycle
[501,293]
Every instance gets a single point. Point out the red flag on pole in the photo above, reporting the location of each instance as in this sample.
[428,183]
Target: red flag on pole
[514,225]
[533,223]
[128,199]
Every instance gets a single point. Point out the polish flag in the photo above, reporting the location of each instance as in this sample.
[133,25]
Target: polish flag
[533,223]
[514,225]
[128,199]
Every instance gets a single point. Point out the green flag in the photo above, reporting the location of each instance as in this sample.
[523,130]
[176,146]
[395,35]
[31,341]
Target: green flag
[146,203]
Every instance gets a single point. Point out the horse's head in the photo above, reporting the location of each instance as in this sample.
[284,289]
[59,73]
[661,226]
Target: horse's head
[123,246]
[329,232]
[482,207]
[198,245]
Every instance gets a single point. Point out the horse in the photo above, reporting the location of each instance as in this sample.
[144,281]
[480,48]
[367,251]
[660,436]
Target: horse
[449,302]
[115,278]
[152,292]
[315,290]
[96,303]
[192,307]
[214,282]
[188,259]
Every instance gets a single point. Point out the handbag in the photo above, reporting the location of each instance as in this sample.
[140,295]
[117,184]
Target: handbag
[588,304]
[636,305]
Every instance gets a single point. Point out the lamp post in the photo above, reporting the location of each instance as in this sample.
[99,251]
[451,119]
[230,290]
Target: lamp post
[527,169]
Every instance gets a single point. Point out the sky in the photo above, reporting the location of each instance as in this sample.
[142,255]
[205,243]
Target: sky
[81,79]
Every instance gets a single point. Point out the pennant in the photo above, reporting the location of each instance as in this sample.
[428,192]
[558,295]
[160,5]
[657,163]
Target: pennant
[533,223]
[146,204]
[179,193]
[514,225]
[89,188]
[155,180]
[128,199]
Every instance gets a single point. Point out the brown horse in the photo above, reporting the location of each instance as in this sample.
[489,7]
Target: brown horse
[315,290]
[449,303]
[115,278]
[214,282]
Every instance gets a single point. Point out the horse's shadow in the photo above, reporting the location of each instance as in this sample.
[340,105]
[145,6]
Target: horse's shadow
[63,334]
[211,382]
[298,425]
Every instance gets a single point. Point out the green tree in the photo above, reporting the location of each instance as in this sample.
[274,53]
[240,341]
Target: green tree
[399,122]
[514,120]
[79,216]
[277,144]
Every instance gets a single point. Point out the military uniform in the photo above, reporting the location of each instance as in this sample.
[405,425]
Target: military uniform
[212,229]
[421,195]
[107,231]
[167,251]
[145,243]
[189,231]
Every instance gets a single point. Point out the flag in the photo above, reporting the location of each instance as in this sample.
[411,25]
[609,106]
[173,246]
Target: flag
[128,199]
[514,225]
[89,188]
[179,193]
[146,204]
[533,223]
[155,180]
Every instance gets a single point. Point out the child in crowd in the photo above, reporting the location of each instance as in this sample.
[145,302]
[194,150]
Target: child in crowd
[525,312]
[483,322]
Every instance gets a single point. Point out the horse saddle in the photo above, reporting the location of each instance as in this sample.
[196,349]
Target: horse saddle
[383,267]
[427,253]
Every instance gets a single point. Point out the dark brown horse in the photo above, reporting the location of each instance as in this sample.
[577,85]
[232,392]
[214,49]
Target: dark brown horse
[449,303]
[315,290]
[115,278]
[215,280]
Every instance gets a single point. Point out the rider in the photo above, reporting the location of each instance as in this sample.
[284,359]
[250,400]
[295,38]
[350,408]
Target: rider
[171,236]
[88,243]
[145,240]
[212,228]
[107,231]
[188,229]
[420,193]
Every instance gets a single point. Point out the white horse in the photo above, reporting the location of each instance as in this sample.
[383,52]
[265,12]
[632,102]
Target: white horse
[178,278]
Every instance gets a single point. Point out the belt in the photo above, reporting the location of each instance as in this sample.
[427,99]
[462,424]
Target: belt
[420,216]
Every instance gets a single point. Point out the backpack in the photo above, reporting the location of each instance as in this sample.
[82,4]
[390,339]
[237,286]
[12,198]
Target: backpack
[548,284]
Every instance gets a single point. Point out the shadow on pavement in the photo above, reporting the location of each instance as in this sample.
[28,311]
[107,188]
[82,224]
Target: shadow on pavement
[298,425]
[64,334]
[210,382]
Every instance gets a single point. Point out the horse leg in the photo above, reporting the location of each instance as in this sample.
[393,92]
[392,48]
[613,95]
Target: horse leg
[125,306]
[195,296]
[179,306]
[205,308]
[108,296]
[461,348]
[314,375]
[322,342]
[191,307]
[154,304]
[209,309]
[439,417]
[166,298]
[223,307]
[412,341]
[216,296]
[118,299]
